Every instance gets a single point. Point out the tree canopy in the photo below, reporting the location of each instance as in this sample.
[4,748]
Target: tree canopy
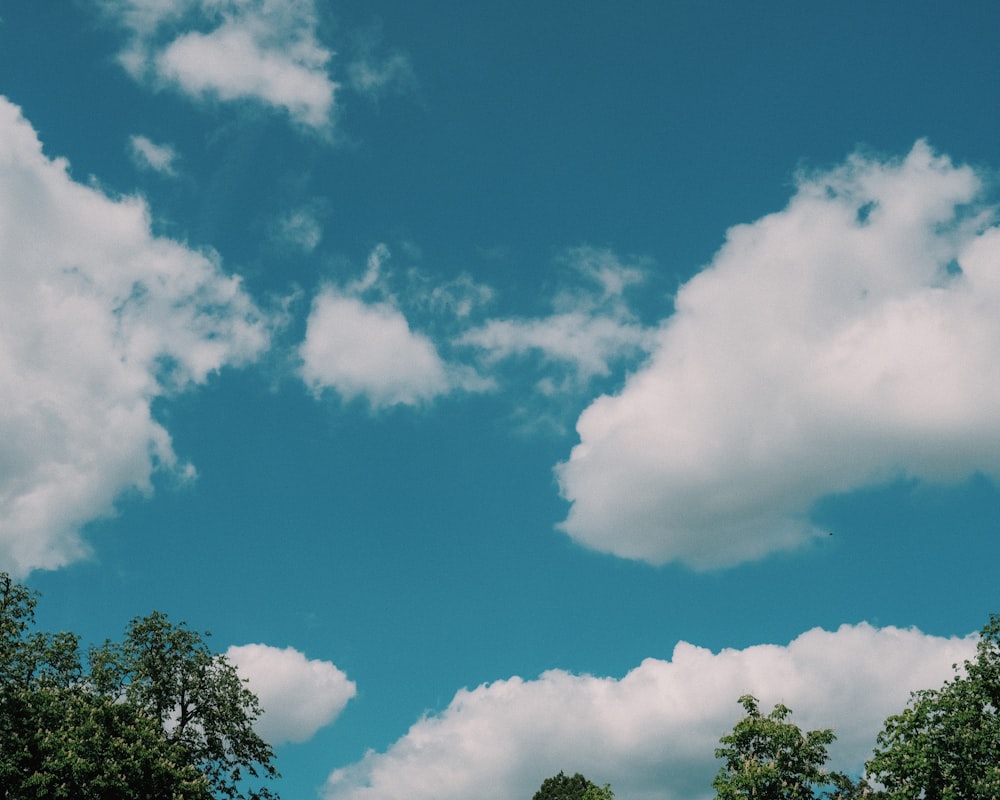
[771,758]
[158,716]
[572,787]
[946,744]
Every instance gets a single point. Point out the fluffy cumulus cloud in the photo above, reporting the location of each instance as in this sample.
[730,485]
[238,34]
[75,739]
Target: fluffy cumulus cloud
[368,349]
[652,733]
[845,341]
[261,50]
[147,154]
[98,317]
[298,695]
[361,347]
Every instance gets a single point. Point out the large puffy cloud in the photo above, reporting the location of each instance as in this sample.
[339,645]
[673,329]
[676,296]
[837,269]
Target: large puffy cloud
[298,695]
[652,733]
[97,318]
[264,50]
[847,340]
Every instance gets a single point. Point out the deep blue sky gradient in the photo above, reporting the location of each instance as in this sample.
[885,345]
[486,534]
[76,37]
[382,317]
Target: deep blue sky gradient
[416,548]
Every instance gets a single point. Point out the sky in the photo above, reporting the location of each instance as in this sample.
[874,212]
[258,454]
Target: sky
[508,387]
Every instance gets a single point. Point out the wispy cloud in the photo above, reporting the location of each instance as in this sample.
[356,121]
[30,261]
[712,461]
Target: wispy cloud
[372,71]
[360,340]
[651,734]
[842,342]
[98,317]
[262,50]
[300,228]
[146,154]
[590,328]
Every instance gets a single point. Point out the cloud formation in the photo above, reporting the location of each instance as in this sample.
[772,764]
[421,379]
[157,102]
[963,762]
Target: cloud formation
[368,349]
[299,228]
[261,50]
[146,154]
[363,347]
[845,341]
[98,317]
[298,695]
[371,73]
[652,733]
[360,341]
[590,328]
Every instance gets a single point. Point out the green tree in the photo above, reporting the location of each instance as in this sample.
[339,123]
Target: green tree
[575,787]
[595,792]
[158,717]
[770,758]
[946,744]
[36,670]
[17,609]
[17,614]
[169,672]
[77,745]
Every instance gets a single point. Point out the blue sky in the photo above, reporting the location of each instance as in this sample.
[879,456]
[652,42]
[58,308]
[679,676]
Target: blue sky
[490,378]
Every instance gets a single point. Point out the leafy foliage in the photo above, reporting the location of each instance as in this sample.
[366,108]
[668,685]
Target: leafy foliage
[769,758]
[160,716]
[946,744]
[157,717]
[575,787]
[77,744]
[595,792]
[206,710]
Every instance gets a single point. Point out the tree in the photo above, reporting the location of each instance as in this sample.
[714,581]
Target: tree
[197,696]
[17,613]
[946,744]
[769,758]
[78,745]
[158,717]
[576,787]
[595,792]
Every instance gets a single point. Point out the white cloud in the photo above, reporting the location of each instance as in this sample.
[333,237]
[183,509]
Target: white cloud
[97,318]
[148,155]
[372,76]
[262,50]
[360,341]
[369,349]
[366,348]
[652,733]
[458,297]
[586,343]
[298,695]
[590,328]
[827,347]
[301,229]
